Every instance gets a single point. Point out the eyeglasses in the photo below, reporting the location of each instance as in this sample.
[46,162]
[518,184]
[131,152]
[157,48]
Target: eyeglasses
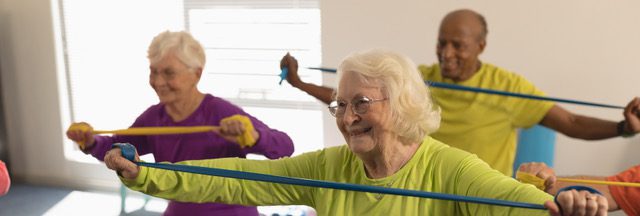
[359,105]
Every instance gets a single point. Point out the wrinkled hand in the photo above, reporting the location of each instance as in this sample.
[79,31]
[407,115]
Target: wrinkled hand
[233,129]
[125,168]
[541,170]
[291,64]
[632,116]
[82,134]
[578,203]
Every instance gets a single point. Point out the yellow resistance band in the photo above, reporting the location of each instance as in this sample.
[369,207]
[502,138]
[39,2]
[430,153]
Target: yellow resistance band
[539,183]
[158,130]
[245,140]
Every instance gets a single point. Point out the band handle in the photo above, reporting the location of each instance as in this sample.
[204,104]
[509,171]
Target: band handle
[127,150]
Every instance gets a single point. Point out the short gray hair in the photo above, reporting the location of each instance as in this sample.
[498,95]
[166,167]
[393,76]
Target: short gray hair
[413,114]
[187,49]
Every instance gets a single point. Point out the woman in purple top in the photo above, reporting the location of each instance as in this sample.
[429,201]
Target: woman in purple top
[176,63]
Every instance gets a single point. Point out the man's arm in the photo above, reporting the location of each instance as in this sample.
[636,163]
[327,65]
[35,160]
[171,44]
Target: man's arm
[321,93]
[589,128]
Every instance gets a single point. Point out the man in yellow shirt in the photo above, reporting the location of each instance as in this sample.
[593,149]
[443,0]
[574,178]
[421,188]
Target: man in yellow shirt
[486,124]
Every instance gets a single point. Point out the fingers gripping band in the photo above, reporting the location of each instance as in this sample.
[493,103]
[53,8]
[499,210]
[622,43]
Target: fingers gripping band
[575,187]
[246,139]
[127,150]
[83,128]
[531,179]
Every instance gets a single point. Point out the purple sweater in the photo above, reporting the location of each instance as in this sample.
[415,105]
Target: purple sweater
[180,147]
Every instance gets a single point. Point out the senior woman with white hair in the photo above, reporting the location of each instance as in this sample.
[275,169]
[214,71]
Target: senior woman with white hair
[385,114]
[176,63]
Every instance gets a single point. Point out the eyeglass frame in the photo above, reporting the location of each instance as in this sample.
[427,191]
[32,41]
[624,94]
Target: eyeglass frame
[356,102]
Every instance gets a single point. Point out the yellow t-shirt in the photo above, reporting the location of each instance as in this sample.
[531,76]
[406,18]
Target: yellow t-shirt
[435,167]
[485,124]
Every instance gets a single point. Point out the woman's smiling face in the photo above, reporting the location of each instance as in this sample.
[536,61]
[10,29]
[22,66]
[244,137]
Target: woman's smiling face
[366,129]
[172,80]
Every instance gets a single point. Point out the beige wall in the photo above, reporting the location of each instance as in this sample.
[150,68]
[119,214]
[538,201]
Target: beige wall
[573,49]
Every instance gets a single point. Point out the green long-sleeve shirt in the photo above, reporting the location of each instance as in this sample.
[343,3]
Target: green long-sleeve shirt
[435,167]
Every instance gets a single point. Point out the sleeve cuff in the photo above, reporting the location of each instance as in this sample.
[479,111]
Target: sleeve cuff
[139,180]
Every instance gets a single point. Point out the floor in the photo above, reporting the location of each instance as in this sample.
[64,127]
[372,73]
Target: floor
[27,200]
[38,200]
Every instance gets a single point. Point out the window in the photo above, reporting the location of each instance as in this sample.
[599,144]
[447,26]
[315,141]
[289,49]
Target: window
[105,44]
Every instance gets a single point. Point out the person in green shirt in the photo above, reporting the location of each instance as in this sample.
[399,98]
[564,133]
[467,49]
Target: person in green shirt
[386,115]
[480,123]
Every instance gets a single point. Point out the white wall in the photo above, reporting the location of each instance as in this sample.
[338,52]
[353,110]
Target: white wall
[31,100]
[573,49]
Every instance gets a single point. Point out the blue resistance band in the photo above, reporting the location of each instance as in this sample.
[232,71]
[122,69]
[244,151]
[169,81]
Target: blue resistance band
[128,152]
[496,92]
[283,74]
